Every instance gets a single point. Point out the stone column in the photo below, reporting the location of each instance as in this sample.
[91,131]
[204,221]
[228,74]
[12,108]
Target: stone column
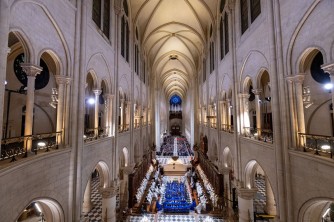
[244,115]
[61,80]
[226,172]
[222,114]
[106,125]
[66,127]
[298,80]
[245,202]
[270,199]
[109,204]
[97,93]
[329,68]
[32,71]
[87,203]
[228,119]
[122,115]
[257,93]
[109,118]
[128,114]
[292,110]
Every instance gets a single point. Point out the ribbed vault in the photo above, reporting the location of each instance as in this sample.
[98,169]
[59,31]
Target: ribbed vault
[172,34]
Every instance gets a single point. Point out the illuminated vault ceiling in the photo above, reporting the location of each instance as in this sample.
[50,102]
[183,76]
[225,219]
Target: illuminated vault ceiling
[173,34]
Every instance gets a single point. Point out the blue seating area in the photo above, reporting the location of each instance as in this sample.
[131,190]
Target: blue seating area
[176,198]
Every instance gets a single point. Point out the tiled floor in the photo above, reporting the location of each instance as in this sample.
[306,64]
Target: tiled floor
[176,218]
[260,199]
[95,214]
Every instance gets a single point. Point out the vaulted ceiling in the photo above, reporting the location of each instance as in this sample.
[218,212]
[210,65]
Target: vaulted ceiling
[173,35]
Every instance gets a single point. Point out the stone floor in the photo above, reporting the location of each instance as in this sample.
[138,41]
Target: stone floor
[172,217]
[95,214]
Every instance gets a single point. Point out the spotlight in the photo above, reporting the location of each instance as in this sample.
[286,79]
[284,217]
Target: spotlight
[91,101]
[328,86]
[41,144]
[6,82]
[325,147]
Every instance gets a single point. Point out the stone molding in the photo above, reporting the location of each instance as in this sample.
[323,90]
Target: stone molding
[31,70]
[60,79]
[97,92]
[247,194]
[329,68]
[108,192]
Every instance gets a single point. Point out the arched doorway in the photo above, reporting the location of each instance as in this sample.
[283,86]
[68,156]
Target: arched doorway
[42,209]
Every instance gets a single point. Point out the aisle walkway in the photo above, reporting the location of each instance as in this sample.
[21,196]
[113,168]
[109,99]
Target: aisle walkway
[95,214]
[174,218]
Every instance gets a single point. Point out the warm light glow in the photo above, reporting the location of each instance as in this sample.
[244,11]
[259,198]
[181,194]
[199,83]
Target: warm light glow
[38,208]
[326,212]
[6,82]
[84,136]
[328,86]
[91,101]
[42,144]
[325,147]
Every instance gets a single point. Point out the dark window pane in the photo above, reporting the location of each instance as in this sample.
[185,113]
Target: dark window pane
[226,33]
[244,15]
[255,9]
[123,37]
[221,39]
[222,4]
[125,7]
[106,17]
[127,45]
[97,12]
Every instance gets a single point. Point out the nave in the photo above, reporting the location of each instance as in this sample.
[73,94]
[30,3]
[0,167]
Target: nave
[175,188]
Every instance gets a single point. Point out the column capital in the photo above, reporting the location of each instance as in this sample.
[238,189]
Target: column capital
[127,170]
[97,92]
[68,80]
[246,193]
[243,95]
[31,70]
[108,192]
[109,96]
[230,4]
[257,91]
[225,170]
[60,79]
[299,78]
[329,68]
[118,7]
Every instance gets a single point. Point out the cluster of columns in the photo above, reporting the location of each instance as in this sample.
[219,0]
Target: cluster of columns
[225,114]
[246,197]
[63,83]
[108,106]
[125,113]
[108,201]
[244,113]
[295,87]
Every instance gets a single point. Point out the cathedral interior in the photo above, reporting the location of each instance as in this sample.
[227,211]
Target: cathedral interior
[166,110]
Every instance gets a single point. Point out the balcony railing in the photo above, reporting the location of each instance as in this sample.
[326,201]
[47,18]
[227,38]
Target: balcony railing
[95,133]
[265,135]
[12,148]
[318,144]
[213,125]
[123,128]
[227,128]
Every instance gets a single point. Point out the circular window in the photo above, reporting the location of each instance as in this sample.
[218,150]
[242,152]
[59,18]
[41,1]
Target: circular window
[175,100]
[41,80]
[316,72]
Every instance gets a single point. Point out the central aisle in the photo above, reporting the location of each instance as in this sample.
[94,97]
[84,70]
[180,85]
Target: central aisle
[172,218]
